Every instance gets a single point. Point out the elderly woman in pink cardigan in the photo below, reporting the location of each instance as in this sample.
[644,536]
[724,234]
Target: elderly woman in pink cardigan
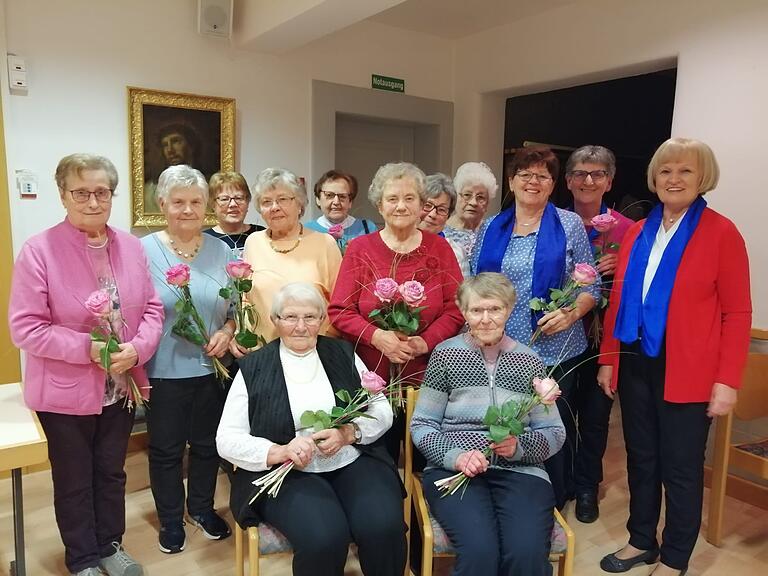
[84,410]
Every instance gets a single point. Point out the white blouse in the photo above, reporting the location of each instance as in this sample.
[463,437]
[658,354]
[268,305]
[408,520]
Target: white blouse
[308,389]
[660,243]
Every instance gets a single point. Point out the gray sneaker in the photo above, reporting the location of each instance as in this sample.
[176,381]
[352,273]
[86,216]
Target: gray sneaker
[92,571]
[120,564]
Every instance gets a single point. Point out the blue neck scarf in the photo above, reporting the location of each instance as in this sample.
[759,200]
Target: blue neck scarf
[648,319]
[548,260]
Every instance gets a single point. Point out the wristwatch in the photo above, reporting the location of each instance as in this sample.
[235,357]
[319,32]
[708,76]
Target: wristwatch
[358,432]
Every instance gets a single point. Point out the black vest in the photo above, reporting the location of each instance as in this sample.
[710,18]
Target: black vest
[269,410]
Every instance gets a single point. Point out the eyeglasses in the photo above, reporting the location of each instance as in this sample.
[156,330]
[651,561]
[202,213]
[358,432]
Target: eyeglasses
[81,196]
[281,201]
[581,175]
[225,200]
[494,312]
[479,198]
[342,196]
[293,320]
[441,210]
[528,176]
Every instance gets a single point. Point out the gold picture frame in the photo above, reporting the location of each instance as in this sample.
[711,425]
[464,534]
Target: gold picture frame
[169,128]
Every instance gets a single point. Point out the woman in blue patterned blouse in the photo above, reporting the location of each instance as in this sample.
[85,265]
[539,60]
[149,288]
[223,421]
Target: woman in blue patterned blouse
[537,247]
[501,524]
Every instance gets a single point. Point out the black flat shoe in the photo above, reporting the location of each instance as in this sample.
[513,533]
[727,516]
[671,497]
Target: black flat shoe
[587,509]
[615,565]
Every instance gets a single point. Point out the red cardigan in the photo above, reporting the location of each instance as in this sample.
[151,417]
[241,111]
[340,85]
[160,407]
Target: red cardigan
[368,259]
[710,312]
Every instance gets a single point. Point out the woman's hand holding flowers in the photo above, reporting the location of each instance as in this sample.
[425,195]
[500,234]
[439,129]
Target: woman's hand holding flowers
[299,451]
[125,359]
[506,448]
[396,350]
[418,345]
[331,440]
[218,344]
[557,321]
[472,463]
[606,264]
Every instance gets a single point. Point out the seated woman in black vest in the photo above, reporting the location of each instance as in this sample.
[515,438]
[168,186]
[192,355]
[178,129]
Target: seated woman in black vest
[344,487]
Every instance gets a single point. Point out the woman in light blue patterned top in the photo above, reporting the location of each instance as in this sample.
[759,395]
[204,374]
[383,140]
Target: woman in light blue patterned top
[501,523]
[537,246]
[335,192]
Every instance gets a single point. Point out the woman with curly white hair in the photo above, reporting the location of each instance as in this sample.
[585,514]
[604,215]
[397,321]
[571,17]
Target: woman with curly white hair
[475,186]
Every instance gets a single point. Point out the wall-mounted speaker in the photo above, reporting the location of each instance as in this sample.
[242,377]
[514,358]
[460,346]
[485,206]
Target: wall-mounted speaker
[214,17]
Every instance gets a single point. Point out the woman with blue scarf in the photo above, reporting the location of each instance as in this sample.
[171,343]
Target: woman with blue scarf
[680,311]
[537,246]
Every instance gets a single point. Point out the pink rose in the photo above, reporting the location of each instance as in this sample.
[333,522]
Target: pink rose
[584,274]
[177,275]
[373,382]
[385,289]
[99,303]
[412,292]
[547,389]
[603,222]
[239,269]
[337,231]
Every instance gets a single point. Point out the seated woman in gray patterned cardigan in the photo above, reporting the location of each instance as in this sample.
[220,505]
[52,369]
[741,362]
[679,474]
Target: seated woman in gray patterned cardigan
[502,523]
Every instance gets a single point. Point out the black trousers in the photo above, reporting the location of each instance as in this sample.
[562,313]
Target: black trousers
[665,447]
[321,514]
[87,455]
[183,411]
[593,412]
[560,467]
[502,525]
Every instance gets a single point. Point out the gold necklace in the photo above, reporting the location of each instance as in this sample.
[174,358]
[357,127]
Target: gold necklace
[286,250]
[186,255]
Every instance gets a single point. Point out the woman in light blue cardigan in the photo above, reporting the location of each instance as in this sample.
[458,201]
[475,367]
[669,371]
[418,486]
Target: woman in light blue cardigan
[335,192]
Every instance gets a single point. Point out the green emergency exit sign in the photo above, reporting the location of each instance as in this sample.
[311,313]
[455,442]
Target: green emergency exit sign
[387,83]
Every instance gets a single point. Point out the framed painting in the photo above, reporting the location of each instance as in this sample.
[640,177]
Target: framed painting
[168,128]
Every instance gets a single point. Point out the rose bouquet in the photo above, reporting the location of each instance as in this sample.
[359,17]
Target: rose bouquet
[337,231]
[189,324]
[564,298]
[602,224]
[400,313]
[246,316]
[99,303]
[503,422]
[372,385]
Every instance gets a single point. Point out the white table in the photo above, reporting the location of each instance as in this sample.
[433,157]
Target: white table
[22,443]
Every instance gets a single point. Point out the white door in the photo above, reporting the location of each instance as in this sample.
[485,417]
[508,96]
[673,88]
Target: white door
[362,146]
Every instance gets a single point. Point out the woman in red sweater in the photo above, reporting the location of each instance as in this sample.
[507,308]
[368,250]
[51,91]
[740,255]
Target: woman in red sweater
[403,252]
[680,311]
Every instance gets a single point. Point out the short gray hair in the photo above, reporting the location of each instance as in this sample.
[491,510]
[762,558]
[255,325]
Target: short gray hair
[592,155]
[439,183]
[298,293]
[271,178]
[486,285]
[474,173]
[77,163]
[396,171]
[180,176]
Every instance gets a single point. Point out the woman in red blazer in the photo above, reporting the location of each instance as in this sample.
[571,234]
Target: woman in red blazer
[680,314]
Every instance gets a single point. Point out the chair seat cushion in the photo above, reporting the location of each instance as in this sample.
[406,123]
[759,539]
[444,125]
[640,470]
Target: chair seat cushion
[272,541]
[757,448]
[442,545]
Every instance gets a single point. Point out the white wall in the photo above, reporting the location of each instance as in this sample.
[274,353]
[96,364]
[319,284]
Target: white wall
[83,53]
[722,87]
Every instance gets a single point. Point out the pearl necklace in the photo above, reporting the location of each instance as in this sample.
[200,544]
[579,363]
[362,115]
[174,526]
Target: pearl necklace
[286,250]
[186,255]
[97,246]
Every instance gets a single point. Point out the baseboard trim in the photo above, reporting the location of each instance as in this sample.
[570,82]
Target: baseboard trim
[741,489]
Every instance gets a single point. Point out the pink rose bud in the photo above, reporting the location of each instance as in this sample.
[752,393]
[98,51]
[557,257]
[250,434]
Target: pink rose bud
[584,274]
[547,389]
[603,222]
[373,382]
[412,292]
[385,289]
[177,275]
[239,269]
[99,303]
[337,231]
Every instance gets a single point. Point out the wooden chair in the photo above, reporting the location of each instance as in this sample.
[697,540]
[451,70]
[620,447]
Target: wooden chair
[435,543]
[264,539]
[752,457]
